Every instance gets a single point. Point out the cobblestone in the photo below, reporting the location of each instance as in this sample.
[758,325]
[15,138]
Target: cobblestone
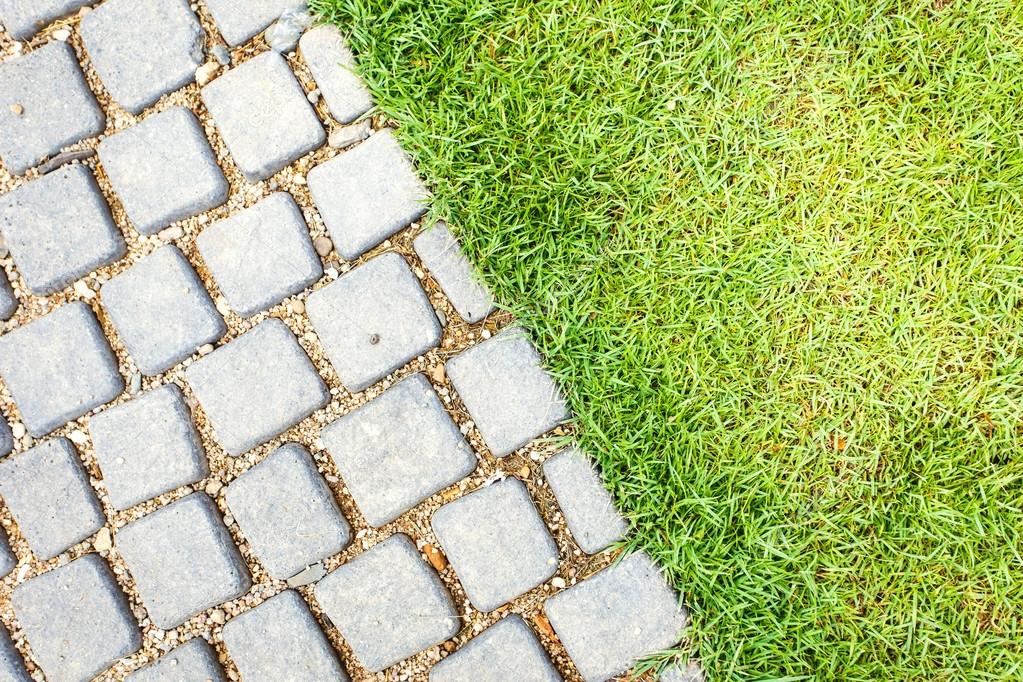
[505,652]
[194,660]
[8,302]
[239,21]
[7,558]
[6,437]
[332,65]
[442,255]
[587,506]
[12,665]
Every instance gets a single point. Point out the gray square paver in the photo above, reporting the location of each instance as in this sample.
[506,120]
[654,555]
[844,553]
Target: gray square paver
[161,310]
[12,665]
[442,255]
[8,301]
[497,543]
[263,115]
[76,619]
[183,560]
[24,18]
[287,513]
[163,170]
[332,65]
[257,386]
[397,450]
[147,446]
[45,105]
[616,617]
[300,651]
[8,560]
[239,20]
[507,651]
[59,367]
[510,397]
[193,661]
[388,604]
[143,50]
[6,437]
[588,509]
[373,320]
[59,228]
[262,255]
[367,194]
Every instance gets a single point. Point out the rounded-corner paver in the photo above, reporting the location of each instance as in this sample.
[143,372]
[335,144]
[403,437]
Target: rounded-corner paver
[195,660]
[442,255]
[333,67]
[239,20]
[22,19]
[589,511]
[507,651]
[12,665]
[6,437]
[8,560]
[8,301]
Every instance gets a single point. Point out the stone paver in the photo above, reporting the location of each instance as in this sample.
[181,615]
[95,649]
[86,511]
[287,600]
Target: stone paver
[373,320]
[24,18]
[507,651]
[6,437]
[588,509]
[612,619]
[12,665]
[7,558]
[398,450]
[332,65]
[193,661]
[8,301]
[262,255]
[45,105]
[76,619]
[147,446]
[442,255]
[388,604]
[239,20]
[257,386]
[510,397]
[183,560]
[163,170]
[367,194]
[59,228]
[692,672]
[161,310]
[263,115]
[497,543]
[143,50]
[286,511]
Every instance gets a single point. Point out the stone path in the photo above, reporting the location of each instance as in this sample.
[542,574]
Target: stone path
[256,420]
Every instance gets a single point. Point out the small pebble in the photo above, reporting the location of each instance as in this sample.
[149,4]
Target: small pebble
[297,307]
[313,97]
[205,73]
[136,382]
[346,136]
[307,576]
[61,34]
[206,349]
[17,109]
[83,290]
[103,540]
[558,583]
[169,234]
[78,438]
[221,54]
[213,487]
[218,616]
[323,246]
[18,430]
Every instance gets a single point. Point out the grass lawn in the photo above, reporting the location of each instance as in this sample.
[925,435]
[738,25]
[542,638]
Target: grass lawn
[774,250]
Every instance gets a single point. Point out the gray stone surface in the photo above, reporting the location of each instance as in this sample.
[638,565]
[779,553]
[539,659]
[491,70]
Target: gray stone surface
[333,67]
[612,619]
[262,255]
[76,619]
[263,115]
[47,490]
[373,320]
[397,450]
[300,651]
[239,20]
[6,437]
[45,105]
[8,560]
[143,50]
[588,508]
[496,542]
[161,310]
[8,302]
[510,397]
[507,651]
[59,228]
[147,446]
[367,194]
[691,672]
[257,386]
[443,257]
[193,661]
[287,513]
[163,170]
[12,665]
[388,604]
[183,560]
[24,18]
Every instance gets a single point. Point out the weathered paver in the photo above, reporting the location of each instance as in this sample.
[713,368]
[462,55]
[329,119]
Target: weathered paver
[143,50]
[367,194]
[287,513]
[397,450]
[257,386]
[239,20]
[612,619]
[442,255]
[263,115]
[183,560]
[262,255]
[332,65]
[59,228]
[76,619]
[691,672]
[388,604]
[12,665]
[193,661]
[161,310]
[45,105]
[373,320]
[22,19]
[163,170]
[147,446]
[8,301]
[497,543]
[7,558]
[588,508]
[510,397]
[6,437]
[507,651]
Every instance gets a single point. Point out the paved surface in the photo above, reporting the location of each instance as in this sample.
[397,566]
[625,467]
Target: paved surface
[258,420]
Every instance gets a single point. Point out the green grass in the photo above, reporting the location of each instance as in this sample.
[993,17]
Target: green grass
[773,249]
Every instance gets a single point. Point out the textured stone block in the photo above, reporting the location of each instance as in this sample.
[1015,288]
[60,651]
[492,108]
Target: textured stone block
[24,18]
[398,450]
[6,437]
[262,255]
[12,665]
[8,302]
[183,560]
[388,604]
[257,386]
[442,255]
[507,651]
[333,67]
[163,170]
[367,194]
[588,509]
[373,320]
[691,672]
[161,310]
[239,20]
[195,660]
[8,560]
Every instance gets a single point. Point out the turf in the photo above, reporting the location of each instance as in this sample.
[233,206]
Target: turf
[773,250]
